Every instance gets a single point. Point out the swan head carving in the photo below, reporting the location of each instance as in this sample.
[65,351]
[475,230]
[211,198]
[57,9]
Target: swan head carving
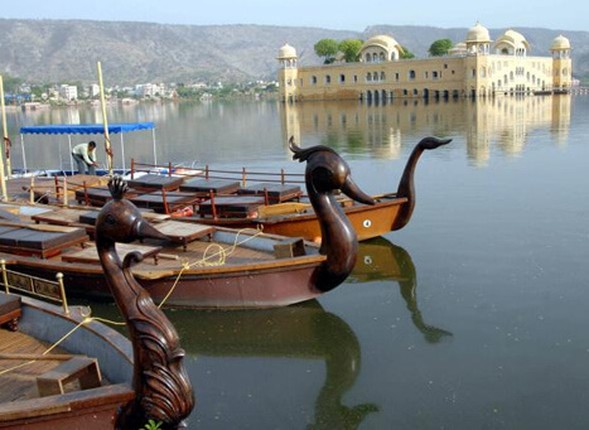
[328,172]
[120,220]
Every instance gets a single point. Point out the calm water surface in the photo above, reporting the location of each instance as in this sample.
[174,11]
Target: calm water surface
[472,317]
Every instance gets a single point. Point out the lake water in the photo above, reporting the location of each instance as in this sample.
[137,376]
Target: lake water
[474,316]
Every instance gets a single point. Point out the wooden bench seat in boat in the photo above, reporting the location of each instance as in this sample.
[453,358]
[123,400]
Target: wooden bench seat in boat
[165,201]
[41,240]
[97,196]
[10,310]
[90,217]
[184,232]
[90,254]
[62,216]
[231,206]
[205,186]
[83,369]
[277,193]
[152,182]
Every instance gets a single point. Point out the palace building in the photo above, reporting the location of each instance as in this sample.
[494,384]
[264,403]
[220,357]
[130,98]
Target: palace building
[477,67]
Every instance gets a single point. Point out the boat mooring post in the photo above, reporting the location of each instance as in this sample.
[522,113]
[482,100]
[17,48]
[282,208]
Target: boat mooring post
[2,176]
[107,147]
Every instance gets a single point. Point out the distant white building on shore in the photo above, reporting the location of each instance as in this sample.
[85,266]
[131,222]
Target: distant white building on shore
[68,92]
[149,90]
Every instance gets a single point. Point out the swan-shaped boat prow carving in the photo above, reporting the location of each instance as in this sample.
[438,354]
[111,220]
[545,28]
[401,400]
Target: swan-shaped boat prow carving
[406,186]
[163,389]
[325,173]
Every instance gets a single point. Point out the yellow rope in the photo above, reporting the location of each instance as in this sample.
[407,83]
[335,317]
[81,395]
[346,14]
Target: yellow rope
[86,320]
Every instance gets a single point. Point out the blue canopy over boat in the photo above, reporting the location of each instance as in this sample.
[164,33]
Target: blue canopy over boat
[70,129]
[86,128]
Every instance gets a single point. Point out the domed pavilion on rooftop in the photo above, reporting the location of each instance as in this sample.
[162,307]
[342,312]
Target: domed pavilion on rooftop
[512,43]
[380,48]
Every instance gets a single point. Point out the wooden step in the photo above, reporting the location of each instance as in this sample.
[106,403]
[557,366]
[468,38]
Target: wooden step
[80,368]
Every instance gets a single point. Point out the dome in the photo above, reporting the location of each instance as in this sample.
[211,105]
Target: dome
[458,49]
[514,39]
[382,40]
[560,43]
[286,52]
[478,34]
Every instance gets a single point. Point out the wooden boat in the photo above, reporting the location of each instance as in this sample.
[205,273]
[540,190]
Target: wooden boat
[146,376]
[241,199]
[33,398]
[208,266]
[224,198]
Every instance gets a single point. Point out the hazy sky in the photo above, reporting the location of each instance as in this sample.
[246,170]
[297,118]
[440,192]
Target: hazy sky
[332,14]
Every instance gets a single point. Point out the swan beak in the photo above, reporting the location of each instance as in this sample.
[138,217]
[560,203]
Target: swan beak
[352,190]
[145,230]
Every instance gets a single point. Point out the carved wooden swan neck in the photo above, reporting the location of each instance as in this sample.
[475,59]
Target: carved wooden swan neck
[163,389]
[406,186]
[338,240]
[325,173]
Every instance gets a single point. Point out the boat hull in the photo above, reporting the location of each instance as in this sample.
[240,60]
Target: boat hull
[252,287]
[368,221]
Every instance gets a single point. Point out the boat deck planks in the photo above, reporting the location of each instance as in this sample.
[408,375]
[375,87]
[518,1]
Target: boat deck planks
[21,384]
[90,255]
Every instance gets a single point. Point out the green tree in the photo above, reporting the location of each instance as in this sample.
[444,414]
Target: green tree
[326,48]
[440,47]
[11,83]
[406,54]
[351,49]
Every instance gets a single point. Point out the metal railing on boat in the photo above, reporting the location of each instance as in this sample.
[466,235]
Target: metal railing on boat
[34,286]
[243,175]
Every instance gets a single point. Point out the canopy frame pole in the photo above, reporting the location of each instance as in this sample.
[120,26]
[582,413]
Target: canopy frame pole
[107,147]
[69,140]
[22,149]
[154,146]
[2,177]
[123,150]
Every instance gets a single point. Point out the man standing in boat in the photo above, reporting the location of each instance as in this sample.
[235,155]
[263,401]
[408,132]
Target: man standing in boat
[85,156]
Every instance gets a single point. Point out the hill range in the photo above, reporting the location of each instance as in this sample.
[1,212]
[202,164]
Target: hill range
[51,51]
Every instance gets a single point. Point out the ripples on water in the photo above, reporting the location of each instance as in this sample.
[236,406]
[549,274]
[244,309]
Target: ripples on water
[473,316]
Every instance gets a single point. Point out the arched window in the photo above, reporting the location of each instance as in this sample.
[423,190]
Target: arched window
[327,79]
[375,76]
[342,78]
[369,77]
[374,57]
[411,74]
[314,80]
[381,57]
[382,76]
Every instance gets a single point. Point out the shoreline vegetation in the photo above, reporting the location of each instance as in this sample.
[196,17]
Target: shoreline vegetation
[31,97]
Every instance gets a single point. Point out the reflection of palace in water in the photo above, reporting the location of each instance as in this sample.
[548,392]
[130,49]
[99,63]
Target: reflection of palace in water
[384,128]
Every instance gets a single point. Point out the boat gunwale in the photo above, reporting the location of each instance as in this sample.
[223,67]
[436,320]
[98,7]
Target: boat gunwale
[43,408]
